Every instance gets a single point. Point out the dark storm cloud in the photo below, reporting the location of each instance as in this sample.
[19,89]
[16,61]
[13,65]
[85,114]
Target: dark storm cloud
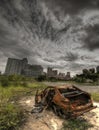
[84,57]
[70,56]
[28,30]
[91,42]
[20,27]
[75,66]
[48,60]
[71,6]
[9,43]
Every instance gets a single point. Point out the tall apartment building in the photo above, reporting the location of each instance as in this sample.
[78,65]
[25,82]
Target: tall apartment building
[51,72]
[15,66]
[68,76]
[21,67]
[33,70]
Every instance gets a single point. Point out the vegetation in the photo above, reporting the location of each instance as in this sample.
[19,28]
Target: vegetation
[87,78]
[12,88]
[76,124]
[95,96]
[10,116]
[80,124]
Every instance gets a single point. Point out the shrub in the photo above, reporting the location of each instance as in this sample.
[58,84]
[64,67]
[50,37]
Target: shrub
[41,78]
[24,84]
[95,96]
[4,82]
[76,124]
[10,117]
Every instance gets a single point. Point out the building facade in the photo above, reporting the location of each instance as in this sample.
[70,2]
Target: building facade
[54,74]
[33,70]
[51,72]
[21,67]
[68,76]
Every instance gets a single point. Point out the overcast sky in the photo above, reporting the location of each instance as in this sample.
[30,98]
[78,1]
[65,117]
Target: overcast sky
[58,33]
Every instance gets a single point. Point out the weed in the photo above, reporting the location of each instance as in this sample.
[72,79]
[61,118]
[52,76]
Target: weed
[95,96]
[76,124]
[11,114]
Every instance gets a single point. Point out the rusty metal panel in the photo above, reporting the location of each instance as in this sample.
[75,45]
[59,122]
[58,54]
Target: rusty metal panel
[65,101]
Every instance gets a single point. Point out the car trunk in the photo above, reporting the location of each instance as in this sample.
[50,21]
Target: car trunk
[80,102]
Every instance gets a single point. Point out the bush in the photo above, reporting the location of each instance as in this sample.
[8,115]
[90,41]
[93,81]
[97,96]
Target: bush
[10,117]
[95,96]
[41,78]
[80,80]
[4,82]
[24,84]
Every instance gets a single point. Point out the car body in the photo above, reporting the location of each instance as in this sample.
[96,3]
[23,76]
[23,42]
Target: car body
[65,101]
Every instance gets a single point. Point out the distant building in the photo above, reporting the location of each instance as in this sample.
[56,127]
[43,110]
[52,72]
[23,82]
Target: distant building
[68,76]
[33,70]
[55,74]
[61,76]
[21,67]
[15,66]
[51,72]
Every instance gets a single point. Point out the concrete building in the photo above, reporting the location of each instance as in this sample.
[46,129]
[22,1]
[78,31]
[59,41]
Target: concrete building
[68,76]
[21,67]
[55,74]
[33,70]
[51,72]
[61,76]
[15,66]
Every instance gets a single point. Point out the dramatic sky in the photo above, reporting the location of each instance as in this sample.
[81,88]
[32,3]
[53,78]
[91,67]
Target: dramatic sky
[63,34]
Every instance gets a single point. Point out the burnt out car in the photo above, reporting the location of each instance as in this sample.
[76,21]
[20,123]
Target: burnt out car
[65,101]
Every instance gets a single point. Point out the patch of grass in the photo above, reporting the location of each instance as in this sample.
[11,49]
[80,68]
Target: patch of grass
[6,93]
[11,114]
[95,96]
[76,124]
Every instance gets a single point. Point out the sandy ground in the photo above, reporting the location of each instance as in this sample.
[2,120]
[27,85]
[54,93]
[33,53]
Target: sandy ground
[93,117]
[49,121]
[43,121]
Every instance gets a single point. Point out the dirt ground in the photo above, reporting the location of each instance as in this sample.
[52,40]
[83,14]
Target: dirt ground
[49,121]
[43,121]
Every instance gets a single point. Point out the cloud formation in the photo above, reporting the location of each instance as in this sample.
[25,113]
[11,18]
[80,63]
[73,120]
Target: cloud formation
[60,33]
[92,39]
[71,6]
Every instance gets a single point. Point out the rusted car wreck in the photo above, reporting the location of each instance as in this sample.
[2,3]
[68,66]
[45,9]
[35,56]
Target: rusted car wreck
[66,102]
